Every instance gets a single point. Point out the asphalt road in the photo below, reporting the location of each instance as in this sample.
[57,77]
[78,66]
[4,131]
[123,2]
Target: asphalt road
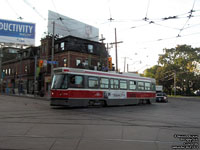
[31,124]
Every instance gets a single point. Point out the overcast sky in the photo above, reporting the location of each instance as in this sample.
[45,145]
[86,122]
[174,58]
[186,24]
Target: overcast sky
[144,26]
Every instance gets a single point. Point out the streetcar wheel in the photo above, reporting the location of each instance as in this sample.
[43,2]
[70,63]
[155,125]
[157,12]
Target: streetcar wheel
[103,103]
[148,101]
[91,103]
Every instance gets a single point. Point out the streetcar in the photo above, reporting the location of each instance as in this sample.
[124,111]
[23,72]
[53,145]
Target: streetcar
[75,87]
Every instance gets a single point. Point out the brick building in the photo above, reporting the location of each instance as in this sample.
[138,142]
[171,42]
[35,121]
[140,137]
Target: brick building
[68,52]
[18,69]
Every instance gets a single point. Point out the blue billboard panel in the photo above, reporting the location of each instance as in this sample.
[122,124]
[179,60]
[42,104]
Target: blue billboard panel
[17,32]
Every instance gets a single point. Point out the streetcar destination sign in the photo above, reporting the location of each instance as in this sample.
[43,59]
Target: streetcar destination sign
[17,32]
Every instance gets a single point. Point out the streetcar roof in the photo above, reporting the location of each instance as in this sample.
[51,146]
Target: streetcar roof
[110,74]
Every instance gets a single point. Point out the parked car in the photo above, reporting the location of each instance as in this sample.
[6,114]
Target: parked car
[161,97]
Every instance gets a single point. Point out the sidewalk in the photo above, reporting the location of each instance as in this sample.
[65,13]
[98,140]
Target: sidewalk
[46,97]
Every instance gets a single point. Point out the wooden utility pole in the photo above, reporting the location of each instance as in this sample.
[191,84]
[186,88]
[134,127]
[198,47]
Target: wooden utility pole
[1,72]
[175,83]
[35,75]
[52,50]
[125,64]
[102,38]
[116,49]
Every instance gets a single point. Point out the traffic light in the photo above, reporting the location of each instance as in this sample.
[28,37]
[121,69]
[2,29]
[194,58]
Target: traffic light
[110,63]
[40,63]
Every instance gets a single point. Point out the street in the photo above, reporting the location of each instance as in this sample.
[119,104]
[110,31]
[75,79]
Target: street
[27,123]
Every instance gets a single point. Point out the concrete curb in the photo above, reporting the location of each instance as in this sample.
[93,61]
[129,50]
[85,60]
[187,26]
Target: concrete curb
[46,98]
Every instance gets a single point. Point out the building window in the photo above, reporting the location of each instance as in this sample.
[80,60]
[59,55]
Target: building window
[24,54]
[90,48]
[78,61]
[65,62]
[9,71]
[13,71]
[26,68]
[85,63]
[62,46]
[98,64]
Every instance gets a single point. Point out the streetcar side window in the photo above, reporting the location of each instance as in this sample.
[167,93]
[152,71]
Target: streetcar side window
[104,83]
[123,84]
[114,83]
[132,85]
[140,85]
[93,82]
[147,86]
[76,81]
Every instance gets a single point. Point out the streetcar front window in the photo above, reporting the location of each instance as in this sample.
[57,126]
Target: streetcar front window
[59,81]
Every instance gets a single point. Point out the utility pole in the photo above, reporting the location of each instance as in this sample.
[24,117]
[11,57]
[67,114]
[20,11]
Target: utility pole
[52,50]
[1,79]
[116,49]
[35,58]
[20,77]
[175,83]
[102,38]
[125,64]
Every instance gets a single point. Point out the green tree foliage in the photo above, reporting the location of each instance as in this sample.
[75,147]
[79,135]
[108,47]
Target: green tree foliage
[181,62]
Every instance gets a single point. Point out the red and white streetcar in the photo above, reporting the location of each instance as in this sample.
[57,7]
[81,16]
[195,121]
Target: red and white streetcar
[80,87]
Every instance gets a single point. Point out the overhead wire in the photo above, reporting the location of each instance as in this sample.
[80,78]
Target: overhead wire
[110,19]
[59,17]
[146,16]
[34,9]
[19,16]
[149,21]
[189,17]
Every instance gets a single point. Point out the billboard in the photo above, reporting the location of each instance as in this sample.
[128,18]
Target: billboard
[65,26]
[17,32]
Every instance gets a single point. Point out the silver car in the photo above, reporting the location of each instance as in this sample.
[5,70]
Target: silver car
[161,97]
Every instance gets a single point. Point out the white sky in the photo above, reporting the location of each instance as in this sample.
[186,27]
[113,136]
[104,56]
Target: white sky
[141,41]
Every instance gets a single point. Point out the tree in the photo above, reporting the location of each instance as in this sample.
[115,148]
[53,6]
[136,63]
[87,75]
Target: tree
[181,62]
